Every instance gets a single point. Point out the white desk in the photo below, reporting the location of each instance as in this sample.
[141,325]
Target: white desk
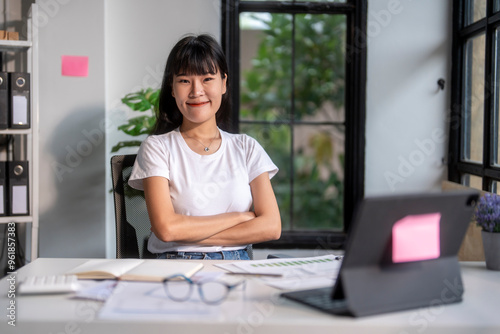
[262,312]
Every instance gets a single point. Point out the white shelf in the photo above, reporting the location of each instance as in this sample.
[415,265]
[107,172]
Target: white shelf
[16,131]
[6,45]
[16,219]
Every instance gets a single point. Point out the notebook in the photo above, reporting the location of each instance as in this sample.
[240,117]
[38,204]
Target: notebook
[401,253]
[150,270]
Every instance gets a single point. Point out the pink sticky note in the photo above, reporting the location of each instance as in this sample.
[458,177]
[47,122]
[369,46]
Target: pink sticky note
[75,66]
[416,238]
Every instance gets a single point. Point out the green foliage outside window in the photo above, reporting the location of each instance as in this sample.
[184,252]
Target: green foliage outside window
[319,82]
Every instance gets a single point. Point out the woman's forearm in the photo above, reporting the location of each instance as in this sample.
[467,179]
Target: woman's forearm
[259,229]
[192,229]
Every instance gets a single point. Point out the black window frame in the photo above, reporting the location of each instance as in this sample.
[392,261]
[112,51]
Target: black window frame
[355,101]
[458,167]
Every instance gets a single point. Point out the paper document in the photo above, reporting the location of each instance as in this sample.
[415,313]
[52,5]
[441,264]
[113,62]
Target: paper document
[296,273]
[145,301]
[95,290]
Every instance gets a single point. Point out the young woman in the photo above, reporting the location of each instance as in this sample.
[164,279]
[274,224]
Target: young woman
[208,192]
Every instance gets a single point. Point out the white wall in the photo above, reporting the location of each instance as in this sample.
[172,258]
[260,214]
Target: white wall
[409,49]
[72,210]
[139,36]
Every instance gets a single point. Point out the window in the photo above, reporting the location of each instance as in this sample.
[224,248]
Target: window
[297,72]
[474,121]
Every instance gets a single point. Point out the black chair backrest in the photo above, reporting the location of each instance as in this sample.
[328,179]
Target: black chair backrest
[131,215]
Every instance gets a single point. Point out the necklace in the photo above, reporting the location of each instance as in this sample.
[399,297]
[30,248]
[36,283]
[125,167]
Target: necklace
[206,148]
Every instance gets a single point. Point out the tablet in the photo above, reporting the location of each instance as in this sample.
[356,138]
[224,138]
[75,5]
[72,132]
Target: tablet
[401,253]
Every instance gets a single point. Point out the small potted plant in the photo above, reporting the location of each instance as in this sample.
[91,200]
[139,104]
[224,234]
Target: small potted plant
[487,215]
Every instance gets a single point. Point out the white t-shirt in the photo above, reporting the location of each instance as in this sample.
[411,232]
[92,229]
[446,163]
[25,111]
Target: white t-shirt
[202,185]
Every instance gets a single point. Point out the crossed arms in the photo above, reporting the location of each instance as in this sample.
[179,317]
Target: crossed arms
[227,229]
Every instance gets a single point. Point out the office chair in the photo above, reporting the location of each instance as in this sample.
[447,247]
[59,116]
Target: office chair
[131,215]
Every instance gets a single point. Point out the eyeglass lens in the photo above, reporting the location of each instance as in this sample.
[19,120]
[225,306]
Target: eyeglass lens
[213,292]
[179,290]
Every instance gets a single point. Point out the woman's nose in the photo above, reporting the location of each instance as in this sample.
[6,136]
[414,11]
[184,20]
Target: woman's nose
[196,88]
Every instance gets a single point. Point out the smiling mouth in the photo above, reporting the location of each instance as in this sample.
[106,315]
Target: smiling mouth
[198,104]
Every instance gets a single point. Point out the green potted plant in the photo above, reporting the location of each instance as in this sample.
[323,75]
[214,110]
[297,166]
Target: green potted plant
[142,101]
[487,215]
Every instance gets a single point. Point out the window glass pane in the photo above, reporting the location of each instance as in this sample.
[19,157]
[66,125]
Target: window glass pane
[265,66]
[475,10]
[251,21]
[318,177]
[472,181]
[276,140]
[495,188]
[473,101]
[496,5]
[319,67]
[495,144]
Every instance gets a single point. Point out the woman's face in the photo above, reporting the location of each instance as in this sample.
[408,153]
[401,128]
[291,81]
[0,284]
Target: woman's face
[198,97]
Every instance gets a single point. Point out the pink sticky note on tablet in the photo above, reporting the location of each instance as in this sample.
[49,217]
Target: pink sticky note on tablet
[75,66]
[416,238]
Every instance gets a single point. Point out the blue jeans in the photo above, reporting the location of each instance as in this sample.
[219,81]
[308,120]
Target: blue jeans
[240,254]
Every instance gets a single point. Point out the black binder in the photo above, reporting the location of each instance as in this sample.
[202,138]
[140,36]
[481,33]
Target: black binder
[4,100]
[3,189]
[18,188]
[19,116]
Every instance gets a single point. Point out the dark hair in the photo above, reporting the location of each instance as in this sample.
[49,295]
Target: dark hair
[191,55]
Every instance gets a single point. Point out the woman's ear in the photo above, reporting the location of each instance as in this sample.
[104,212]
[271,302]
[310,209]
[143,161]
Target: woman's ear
[224,85]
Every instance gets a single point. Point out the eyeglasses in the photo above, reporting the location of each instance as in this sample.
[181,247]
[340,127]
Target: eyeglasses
[180,288]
